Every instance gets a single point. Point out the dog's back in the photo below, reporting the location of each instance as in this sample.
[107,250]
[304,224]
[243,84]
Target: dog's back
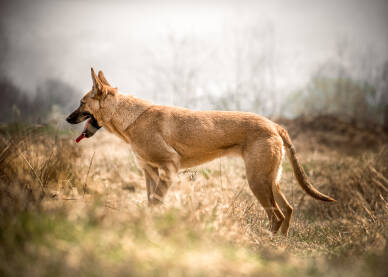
[201,135]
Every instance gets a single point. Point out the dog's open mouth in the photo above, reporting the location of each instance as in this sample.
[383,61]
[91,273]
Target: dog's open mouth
[90,128]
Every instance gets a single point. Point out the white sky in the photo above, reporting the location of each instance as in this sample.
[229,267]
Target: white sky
[62,39]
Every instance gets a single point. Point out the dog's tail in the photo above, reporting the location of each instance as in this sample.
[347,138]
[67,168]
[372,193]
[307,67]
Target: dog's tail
[298,169]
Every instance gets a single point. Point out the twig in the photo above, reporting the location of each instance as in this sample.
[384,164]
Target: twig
[111,207]
[87,174]
[5,149]
[221,173]
[66,180]
[301,201]
[134,161]
[292,193]
[247,208]
[33,171]
[234,199]
[43,168]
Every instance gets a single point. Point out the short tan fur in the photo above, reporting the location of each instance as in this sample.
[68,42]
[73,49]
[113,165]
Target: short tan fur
[166,139]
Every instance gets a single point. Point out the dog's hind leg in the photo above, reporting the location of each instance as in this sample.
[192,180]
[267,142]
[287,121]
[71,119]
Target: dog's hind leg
[286,208]
[261,188]
[262,159]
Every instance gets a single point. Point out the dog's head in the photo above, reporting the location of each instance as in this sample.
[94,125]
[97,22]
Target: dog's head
[90,105]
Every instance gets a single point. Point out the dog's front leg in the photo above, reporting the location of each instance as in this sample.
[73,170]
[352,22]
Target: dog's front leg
[167,173]
[152,178]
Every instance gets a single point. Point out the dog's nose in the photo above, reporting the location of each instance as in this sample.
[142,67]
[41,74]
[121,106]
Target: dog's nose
[68,119]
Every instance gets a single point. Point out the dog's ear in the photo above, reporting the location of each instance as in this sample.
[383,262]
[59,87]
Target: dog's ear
[96,82]
[103,79]
[101,87]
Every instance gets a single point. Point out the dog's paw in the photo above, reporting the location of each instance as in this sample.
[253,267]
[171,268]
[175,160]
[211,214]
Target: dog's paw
[154,200]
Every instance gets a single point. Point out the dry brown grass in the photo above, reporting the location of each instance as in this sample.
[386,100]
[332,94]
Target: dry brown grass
[93,218]
[33,163]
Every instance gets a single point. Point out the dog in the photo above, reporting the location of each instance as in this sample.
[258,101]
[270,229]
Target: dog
[166,139]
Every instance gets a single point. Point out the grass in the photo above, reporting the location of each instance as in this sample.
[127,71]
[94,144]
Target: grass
[209,225]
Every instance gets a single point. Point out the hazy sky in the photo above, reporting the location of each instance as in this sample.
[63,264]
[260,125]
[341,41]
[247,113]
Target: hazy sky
[62,39]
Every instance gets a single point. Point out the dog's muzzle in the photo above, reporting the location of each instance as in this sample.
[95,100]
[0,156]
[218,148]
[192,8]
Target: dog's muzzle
[91,125]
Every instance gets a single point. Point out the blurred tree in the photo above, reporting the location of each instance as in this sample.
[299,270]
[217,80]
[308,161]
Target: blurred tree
[382,96]
[351,84]
[252,86]
[175,72]
[12,99]
[332,90]
[16,104]
[54,92]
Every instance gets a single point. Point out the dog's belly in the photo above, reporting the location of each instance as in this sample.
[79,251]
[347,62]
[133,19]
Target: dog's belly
[199,158]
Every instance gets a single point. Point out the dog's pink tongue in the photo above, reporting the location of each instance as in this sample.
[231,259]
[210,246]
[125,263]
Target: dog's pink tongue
[82,135]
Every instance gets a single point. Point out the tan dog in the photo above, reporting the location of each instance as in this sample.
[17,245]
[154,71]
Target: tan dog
[166,139]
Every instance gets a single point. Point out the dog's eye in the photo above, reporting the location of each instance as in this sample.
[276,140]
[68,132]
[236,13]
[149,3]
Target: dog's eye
[82,103]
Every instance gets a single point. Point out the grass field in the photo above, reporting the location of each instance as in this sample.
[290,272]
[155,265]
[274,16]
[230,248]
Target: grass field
[72,209]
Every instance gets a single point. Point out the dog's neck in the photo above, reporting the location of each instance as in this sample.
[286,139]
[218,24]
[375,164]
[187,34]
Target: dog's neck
[122,114]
